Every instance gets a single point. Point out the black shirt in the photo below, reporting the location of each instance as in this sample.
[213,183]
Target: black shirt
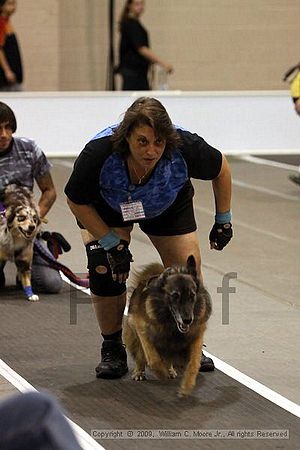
[203,162]
[12,53]
[133,36]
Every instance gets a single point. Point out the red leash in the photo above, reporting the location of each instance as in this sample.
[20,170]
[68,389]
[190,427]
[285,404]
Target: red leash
[84,282]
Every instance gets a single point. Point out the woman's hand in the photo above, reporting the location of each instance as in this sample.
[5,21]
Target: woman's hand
[119,258]
[220,235]
[168,68]
[10,76]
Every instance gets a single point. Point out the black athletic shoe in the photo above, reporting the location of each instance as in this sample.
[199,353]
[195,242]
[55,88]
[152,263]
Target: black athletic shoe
[2,279]
[295,178]
[113,360]
[207,364]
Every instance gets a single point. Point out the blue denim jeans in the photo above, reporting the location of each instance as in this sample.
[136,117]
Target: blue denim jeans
[34,421]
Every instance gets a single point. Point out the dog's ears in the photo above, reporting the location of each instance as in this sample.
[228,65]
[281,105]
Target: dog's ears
[10,215]
[191,265]
[163,276]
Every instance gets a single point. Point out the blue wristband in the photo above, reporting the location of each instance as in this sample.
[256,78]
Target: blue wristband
[110,240]
[223,217]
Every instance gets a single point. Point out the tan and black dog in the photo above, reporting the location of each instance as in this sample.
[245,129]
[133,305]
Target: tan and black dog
[167,317]
[19,225]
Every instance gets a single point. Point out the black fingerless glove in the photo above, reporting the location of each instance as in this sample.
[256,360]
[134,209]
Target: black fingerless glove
[220,234]
[56,243]
[119,258]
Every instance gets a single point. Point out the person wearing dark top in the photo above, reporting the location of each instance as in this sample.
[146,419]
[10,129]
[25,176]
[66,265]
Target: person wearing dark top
[11,72]
[139,172]
[135,55]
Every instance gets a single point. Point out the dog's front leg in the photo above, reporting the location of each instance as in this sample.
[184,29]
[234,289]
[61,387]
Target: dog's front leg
[192,368]
[24,273]
[138,373]
[153,358]
[26,284]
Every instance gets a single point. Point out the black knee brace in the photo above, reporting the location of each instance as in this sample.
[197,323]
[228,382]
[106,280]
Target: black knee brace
[101,282]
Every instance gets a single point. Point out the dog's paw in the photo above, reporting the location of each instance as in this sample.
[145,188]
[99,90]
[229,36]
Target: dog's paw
[33,298]
[138,375]
[160,372]
[182,393]
[30,295]
[172,373]
[185,389]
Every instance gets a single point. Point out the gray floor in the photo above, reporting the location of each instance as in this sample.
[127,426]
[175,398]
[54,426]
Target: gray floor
[261,338]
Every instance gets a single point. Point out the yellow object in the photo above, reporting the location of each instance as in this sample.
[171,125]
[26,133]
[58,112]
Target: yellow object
[295,86]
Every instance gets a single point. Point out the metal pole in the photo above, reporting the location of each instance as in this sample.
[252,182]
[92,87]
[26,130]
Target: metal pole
[111,56]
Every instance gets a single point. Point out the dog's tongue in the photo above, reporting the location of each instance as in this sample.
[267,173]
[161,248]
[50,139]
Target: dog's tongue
[25,233]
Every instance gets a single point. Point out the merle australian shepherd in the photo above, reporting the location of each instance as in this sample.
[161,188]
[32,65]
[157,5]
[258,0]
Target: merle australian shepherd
[19,225]
[167,317]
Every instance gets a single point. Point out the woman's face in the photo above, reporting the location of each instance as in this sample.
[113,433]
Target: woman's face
[9,8]
[146,148]
[136,8]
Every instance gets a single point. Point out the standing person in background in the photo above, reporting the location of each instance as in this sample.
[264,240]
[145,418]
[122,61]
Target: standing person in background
[135,54]
[11,72]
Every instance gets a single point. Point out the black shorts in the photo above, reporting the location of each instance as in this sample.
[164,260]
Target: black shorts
[178,219]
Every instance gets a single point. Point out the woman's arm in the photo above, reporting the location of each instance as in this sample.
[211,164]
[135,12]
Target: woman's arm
[9,74]
[147,53]
[89,218]
[221,232]
[48,193]
[222,188]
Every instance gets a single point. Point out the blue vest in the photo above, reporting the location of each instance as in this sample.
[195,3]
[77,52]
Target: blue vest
[156,195]
[159,192]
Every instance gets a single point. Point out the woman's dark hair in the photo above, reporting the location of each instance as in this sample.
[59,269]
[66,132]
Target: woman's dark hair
[7,115]
[125,12]
[146,111]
